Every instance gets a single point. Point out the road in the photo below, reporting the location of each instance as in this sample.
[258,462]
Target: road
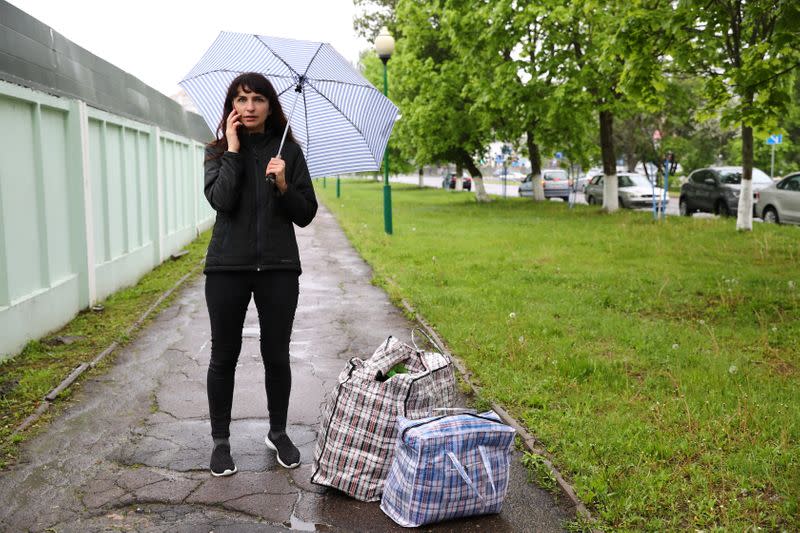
[495,188]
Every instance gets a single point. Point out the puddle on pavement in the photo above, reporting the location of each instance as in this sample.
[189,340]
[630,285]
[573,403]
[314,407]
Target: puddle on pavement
[253,333]
[299,349]
[298,525]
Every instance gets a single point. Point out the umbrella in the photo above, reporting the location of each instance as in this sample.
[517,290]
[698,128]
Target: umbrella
[341,121]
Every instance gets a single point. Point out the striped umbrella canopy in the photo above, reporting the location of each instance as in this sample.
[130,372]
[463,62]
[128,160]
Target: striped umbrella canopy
[341,121]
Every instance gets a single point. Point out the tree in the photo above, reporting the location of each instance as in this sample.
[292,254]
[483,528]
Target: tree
[582,35]
[400,154]
[745,50]
[514,77]
[439,120]
[374,15]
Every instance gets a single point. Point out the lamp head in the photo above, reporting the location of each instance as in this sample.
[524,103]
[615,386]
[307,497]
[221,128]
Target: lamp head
[384,44]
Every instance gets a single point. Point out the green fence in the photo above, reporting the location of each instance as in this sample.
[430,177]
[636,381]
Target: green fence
[89,202]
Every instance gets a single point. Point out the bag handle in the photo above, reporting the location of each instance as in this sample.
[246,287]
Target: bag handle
[455,410]
[440,417]
[463,473]
[390,356]
[430,340]
[487,465]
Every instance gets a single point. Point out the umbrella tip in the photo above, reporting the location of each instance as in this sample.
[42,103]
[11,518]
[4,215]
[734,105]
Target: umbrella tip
[300,82]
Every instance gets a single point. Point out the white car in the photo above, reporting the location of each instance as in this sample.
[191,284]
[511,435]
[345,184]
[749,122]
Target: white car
[583,181]
[634,191]
[515,176]
[780,202]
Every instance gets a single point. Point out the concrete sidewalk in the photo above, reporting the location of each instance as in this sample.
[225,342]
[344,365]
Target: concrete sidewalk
[131,452]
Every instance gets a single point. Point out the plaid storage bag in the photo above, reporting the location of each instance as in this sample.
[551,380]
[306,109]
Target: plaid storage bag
[358,428]
[448,467]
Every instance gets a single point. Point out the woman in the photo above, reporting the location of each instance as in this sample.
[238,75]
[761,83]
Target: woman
[253,251]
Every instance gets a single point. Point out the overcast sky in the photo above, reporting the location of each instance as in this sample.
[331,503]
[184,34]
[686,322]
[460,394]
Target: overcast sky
[159,41]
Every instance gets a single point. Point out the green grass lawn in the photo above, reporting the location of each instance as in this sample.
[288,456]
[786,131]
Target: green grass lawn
[658,363]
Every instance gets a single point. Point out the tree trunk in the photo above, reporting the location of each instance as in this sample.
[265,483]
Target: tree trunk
[536,167]
[421,179]
[647,172]
[744,216]
[631,160]
[459,170]
[477,181]
[610,189]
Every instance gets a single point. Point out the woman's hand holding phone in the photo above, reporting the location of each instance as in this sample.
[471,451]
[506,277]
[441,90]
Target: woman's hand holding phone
[231,131]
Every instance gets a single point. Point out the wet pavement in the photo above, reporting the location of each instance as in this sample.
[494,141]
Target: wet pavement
[131,451]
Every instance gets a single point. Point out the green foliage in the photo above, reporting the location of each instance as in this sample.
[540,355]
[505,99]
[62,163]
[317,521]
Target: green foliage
[401,155]
[745,53]
[539,472]
[374,15]
[438,121]
[658,364]
[514,78]
[537,74]
[762,152]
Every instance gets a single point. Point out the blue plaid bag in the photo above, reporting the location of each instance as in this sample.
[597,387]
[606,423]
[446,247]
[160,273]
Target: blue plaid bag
[447,467]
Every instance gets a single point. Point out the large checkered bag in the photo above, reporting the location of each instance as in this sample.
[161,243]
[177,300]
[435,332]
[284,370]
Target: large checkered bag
[447,467]
[357,433]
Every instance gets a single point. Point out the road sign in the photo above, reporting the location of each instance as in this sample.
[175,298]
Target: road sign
[559,155]
[776,138]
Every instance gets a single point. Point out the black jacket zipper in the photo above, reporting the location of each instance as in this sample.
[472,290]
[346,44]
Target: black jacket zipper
[259,248]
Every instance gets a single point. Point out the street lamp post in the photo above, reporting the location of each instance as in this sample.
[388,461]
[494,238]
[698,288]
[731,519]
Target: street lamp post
[384,46]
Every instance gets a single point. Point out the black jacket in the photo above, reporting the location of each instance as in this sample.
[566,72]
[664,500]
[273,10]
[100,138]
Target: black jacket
[253,229]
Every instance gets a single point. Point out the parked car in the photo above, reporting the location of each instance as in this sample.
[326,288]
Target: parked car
[716,190]
[510,175]
[780,202]
[449,181]
[634,191]
[583,181]
[554,181]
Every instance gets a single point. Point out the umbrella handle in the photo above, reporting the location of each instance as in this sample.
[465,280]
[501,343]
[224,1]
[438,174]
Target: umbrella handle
[271,177]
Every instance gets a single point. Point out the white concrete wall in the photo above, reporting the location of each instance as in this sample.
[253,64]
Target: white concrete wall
[89,202]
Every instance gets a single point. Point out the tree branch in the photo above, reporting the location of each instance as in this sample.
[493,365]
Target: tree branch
[776,75]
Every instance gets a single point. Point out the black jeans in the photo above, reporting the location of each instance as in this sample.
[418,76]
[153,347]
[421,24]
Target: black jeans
[227,296]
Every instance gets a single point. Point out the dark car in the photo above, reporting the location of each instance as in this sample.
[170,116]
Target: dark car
[449,181]
[716,190]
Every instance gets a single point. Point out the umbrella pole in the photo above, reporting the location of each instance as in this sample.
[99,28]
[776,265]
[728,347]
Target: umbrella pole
[270,176]
[288,121]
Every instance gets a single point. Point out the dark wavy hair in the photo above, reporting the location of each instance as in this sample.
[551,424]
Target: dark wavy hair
[257,83]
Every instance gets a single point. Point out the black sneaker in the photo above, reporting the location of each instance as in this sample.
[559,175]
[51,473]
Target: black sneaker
[287,453]
[221,461]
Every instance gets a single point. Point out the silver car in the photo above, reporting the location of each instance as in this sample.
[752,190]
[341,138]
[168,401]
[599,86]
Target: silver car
[635,191]
[780,202]
[554,181]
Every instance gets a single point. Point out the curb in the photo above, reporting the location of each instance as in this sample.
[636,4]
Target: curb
[528,439]
[75,374]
